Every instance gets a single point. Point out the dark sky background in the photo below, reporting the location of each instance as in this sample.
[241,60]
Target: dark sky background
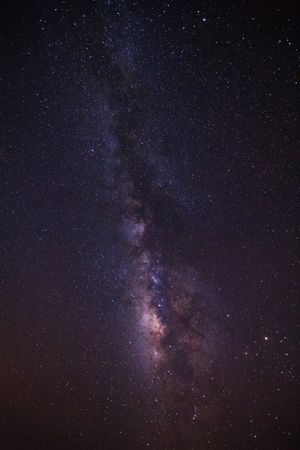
[148,242]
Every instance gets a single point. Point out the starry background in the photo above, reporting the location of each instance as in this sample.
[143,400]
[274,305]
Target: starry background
[147,175]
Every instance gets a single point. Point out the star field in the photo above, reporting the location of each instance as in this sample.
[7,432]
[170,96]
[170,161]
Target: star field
[148,231]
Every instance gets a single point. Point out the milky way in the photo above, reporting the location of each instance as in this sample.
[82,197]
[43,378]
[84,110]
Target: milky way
[179,335]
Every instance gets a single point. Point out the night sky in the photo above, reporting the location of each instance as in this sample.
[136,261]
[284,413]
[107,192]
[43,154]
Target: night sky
[148,231]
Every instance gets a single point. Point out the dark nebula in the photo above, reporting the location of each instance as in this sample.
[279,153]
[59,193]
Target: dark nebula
[148,232]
